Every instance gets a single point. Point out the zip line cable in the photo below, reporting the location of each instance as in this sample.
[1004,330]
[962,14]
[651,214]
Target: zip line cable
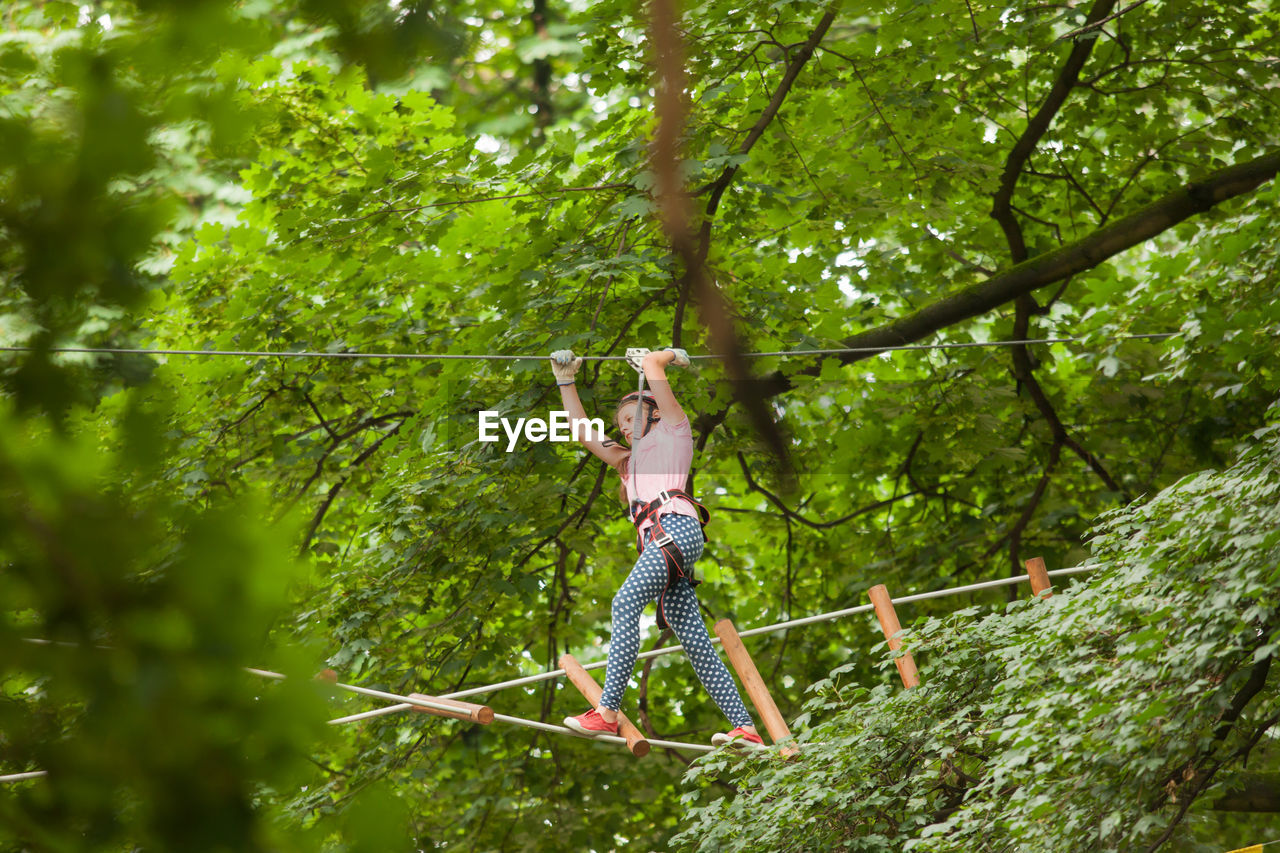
[493,357]
[404,703]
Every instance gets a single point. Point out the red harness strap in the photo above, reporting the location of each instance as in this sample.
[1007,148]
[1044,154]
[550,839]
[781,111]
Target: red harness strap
[671,555]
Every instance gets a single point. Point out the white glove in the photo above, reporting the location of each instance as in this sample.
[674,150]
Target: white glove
[564,366]
[682,357]
[635,357]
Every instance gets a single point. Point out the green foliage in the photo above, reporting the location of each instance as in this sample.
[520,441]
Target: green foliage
[459,178]
[128,620]
[1090,720]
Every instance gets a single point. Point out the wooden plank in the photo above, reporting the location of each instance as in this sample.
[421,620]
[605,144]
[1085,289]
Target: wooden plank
[591,692]
[756,689]
[889,624]
[481,714]
[1040,582]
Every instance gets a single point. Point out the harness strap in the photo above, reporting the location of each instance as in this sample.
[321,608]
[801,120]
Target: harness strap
[642,512]
[671,553]
[635,420]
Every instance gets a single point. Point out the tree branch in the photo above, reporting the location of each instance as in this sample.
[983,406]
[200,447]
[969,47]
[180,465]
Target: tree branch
[1043,270]
[578,514]
[324,423]
[1024,371]
[541,78]
[816,525]
[338,439]
[1253,792]
[883,120]
[549,195]
[622,245]
[337,487]
[1001,209]
[1068,260]
[1099,24]
[674,208]
[718,187]
[1198,778]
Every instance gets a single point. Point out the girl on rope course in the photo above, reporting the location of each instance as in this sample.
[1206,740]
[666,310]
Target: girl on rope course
[669,538]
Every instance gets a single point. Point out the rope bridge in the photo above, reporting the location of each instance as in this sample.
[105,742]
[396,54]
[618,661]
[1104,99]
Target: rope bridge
[449,705]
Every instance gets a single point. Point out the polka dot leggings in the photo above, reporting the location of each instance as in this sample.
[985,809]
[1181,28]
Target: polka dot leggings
[680,605]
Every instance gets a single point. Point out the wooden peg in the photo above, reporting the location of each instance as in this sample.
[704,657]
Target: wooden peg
[1039,578]
[889,624]
[481,714]
[591,692]
[756,689]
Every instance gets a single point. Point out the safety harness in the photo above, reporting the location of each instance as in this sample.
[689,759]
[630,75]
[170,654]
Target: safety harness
[641,513]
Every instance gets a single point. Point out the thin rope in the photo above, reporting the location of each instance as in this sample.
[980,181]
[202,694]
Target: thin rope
[636,422]
[962,345]
[376,712]
[18,777]
[300,354]
[494,357]
[411,701]
[548,727]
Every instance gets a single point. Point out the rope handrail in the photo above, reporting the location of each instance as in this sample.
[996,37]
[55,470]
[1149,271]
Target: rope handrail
[499,357]
[766,629]
[666,650]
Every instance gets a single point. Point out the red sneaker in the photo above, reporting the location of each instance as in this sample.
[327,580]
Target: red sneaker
[591,723]
[738,737]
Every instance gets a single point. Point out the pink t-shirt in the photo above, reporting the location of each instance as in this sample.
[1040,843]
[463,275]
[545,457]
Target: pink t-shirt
[660,460]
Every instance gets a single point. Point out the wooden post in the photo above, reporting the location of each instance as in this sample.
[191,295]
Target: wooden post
[481,714]
[761,698]
[591,692]
[1039,577]
[889,624]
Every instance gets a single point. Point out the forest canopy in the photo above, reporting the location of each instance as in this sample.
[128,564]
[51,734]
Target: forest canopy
[1072,205]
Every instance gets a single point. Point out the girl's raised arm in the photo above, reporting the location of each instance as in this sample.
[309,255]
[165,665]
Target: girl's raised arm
[655,373]
[565,366]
